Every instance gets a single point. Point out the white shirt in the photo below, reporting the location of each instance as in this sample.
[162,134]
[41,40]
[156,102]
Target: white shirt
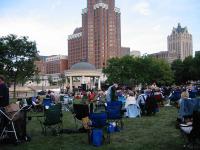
[141,99]
[130,100]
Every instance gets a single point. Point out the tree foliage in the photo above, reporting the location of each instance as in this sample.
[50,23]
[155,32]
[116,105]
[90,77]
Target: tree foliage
[50,80]
[187,70]
[61,80]
[17,56]
[133,71]
[37,79]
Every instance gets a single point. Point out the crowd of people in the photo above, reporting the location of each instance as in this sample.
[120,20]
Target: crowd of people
[136,102]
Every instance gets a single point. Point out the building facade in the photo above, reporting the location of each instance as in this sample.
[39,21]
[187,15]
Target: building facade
[56,64]
[99,38]
[180,42]
[41,65]
[165,55]
[135,53]
[125,51]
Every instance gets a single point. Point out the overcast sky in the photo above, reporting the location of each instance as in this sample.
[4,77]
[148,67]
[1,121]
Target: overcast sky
[145,23]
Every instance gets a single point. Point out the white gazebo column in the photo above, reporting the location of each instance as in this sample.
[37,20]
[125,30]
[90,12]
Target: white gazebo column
[83,80]
[99,83]
[66,82]
[70,84]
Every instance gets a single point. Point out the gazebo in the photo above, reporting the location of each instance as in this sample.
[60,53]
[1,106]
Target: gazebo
[83,70]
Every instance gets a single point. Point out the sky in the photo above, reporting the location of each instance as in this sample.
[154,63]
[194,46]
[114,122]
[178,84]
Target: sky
[145,23]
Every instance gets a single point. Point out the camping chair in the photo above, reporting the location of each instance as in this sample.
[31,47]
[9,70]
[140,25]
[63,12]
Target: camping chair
[47,102]
[175,97]
[115,112]
[30,102]
[133,111]
[192,93]
[66,102]
[191,133]
[52,119]
[10,114]
[99,121]
[80,112]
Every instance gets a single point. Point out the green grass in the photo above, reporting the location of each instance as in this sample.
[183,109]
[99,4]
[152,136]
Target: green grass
[147,133]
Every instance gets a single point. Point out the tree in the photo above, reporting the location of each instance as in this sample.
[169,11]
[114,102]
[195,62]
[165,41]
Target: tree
[120,70]
[62,80]
[196,67]
[50,80]
[37,79]
[177,67]
[17,57]
[188,70]
[133,71]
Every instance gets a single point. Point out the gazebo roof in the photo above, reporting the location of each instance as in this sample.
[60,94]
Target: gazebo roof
[83,66]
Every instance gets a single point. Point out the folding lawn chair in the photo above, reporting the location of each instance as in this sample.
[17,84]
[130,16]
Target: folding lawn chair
[46,103]
[80,111]
[115,112]
[98,121]
[191,133]
[10,114]
[52,119]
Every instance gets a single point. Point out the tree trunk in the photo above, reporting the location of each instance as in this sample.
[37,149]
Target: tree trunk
[14,90]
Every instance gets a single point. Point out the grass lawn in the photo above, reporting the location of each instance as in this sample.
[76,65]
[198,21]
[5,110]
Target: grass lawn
[147,133]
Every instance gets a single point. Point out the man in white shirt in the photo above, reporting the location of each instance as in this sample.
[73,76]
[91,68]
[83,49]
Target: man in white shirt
[141,101]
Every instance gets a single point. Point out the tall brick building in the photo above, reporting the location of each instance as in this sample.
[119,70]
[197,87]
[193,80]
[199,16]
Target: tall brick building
[56,64]
[99,38]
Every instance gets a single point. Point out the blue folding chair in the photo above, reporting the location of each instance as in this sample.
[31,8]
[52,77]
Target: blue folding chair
[99,121]
[176,95]
[115,112]
[47,102]
[192,93]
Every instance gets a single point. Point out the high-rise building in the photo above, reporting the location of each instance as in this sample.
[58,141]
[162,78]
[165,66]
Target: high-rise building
[99,38]
[180,42]
[179,45]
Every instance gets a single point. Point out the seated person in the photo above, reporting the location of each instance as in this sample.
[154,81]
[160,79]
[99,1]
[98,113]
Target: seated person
[131,106]
[130,99]
[36,102]
[185,106]
[77,98]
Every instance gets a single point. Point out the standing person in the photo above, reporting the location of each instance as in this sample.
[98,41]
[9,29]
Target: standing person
[4,93]
[91,98]
[141,100]
[151,104]
[4,100]
[111,93]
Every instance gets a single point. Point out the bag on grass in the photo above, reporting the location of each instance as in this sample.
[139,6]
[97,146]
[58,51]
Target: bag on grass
[97,137]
